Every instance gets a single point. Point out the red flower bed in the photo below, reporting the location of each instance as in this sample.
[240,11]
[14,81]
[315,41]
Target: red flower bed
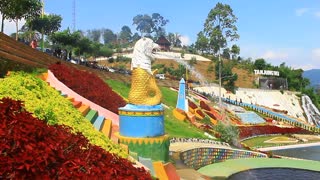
[31,149]
[192,105]
[248,131]
[200,113]
[89,86]
[211,115]
[204,106]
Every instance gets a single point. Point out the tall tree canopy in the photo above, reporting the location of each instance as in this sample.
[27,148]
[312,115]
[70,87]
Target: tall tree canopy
[15,10]
[235,51]
[108,36]
[94,35]
[125,34]
[48,23]
[202,42]
[174,39]
[146,24]
[220,27]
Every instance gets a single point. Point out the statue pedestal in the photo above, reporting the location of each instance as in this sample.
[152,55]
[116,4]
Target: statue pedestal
[141,120]
[142,130]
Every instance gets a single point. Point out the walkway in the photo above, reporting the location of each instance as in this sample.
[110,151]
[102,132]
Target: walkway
[227,168]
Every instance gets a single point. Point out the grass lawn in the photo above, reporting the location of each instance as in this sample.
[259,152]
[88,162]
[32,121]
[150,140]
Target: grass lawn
[260,141]
[121,88]
[173,126]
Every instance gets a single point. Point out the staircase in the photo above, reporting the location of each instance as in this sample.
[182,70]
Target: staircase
[100,122]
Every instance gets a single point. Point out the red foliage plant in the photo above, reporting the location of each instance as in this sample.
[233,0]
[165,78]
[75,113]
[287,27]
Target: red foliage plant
[200,113]
[210,114]
[248,131]
[89,86]
[204,106]
[31,149]
[192,104]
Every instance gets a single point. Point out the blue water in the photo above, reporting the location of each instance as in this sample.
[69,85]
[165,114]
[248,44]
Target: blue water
[276,174]
[250,117]
[311,153]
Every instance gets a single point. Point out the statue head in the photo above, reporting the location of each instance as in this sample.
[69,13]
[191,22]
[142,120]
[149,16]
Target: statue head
[142,54]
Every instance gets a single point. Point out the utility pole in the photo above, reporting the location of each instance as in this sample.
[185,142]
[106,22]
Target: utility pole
[220,84]
[42,30]
[74,15]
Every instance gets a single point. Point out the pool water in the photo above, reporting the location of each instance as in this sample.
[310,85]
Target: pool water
[276,174]
[250,117]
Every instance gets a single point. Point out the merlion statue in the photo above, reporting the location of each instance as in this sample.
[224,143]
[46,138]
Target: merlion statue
[144,90]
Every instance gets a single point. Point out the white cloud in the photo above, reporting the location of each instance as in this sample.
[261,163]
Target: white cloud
[185,40]
[10,26]
[301,11]
[274,55]
[293,57]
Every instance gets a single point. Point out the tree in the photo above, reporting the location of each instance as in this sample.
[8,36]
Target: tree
[220,27]
[15,10]
[109,36]
[125,34]
[135,37]
[143,23]
[260,64]
[202,42]
[229,133]
[235,51]
[3,10]
[226,53]
[94,35]
[65,38]
[228,79]
[158,23]
[47,24]
[146,24]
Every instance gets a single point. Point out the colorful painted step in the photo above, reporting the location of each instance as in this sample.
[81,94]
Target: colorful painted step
[171,171]
[77,104]
[160,172]
[98,122]
[92,115]
[70,98]
[106,127]
[43,76]
[148,163]
[84,109]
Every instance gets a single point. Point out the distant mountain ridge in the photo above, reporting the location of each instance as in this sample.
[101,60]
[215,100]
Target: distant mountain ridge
[314,76]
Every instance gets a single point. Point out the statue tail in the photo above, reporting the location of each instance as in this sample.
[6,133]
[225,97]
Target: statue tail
[144,89]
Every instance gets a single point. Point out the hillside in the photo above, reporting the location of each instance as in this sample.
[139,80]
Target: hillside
[245,78]
[313,75]
[15,55]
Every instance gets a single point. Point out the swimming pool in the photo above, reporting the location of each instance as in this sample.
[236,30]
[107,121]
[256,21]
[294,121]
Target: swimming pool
[250,117]
[276,173]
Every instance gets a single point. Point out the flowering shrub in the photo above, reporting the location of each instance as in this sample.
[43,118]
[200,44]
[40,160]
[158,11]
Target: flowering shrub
[248,131]
[31,149]
[89,86]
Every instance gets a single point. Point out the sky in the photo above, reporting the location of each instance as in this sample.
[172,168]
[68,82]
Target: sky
[276,30]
